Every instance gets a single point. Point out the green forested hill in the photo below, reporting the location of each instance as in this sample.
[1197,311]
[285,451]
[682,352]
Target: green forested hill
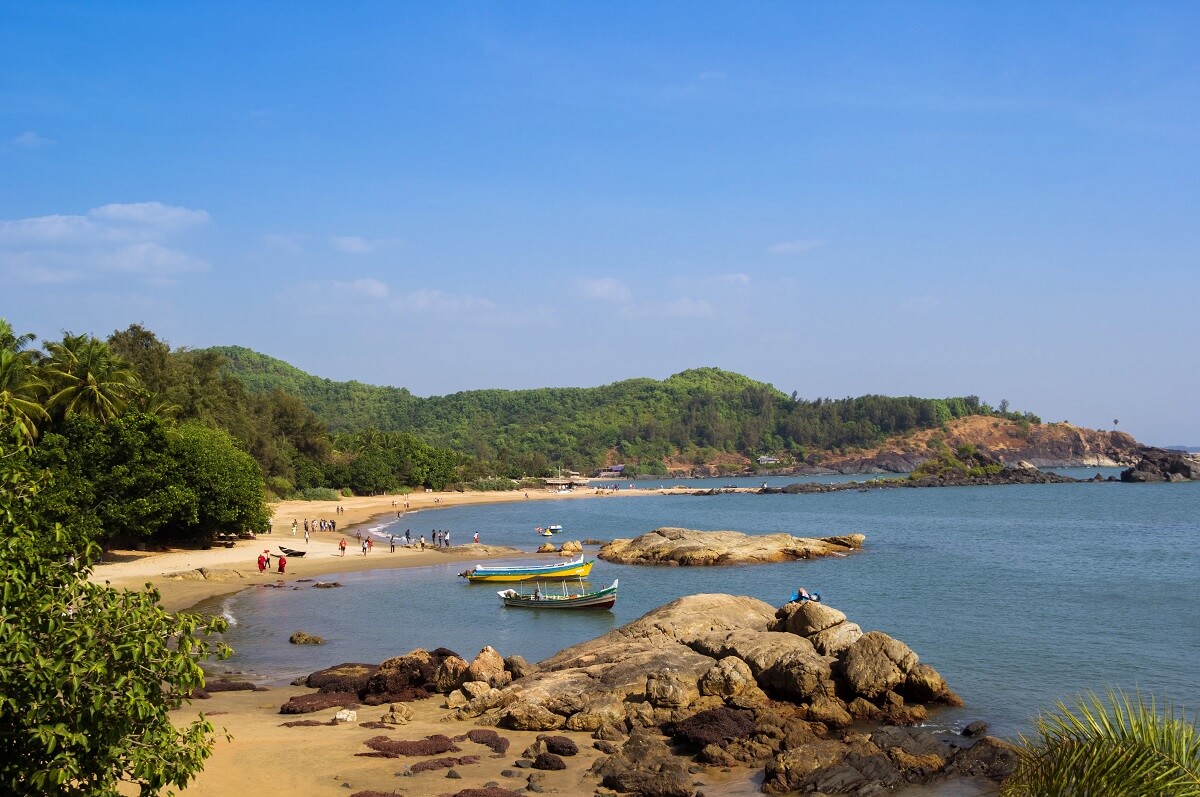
[694,415]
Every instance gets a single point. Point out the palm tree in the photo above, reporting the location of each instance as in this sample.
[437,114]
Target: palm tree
[88,378]
[1122,747]
[21,392]
[10,341]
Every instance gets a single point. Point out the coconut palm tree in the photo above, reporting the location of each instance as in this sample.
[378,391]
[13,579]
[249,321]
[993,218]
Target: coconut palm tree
[11,341]
[1123,747]
[21,392]
[87,378]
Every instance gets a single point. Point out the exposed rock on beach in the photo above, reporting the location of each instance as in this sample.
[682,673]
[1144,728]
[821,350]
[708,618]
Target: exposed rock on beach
[702,684]
[673,546]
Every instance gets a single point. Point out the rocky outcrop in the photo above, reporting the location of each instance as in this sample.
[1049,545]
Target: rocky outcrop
[1042,445]
[1006,476]
[731,680]
[1161,465]
[736,681]
[672,546]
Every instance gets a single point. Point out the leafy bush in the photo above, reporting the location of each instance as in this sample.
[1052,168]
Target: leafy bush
[492,485]
[318,494]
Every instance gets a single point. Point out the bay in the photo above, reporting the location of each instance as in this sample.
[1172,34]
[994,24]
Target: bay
[1019,595]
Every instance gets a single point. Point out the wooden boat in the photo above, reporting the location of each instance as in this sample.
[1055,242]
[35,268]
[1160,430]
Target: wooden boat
[576,569]
[571,597]
[291,552]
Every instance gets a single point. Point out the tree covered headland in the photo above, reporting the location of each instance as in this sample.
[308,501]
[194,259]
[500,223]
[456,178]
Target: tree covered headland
[694,416]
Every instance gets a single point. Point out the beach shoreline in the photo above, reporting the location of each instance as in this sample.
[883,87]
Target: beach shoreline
[175,573]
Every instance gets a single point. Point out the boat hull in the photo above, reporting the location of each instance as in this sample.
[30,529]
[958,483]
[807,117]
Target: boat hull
[602,599]
[577,569]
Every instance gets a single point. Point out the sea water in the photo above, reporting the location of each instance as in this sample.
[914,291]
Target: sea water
[1019,595]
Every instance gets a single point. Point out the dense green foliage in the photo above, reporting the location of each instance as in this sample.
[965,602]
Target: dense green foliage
[694,415]
[88,675]
[961,463]
[1124,746]
[123,467]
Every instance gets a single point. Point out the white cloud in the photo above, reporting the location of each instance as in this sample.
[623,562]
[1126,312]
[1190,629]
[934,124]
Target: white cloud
[154,259]
[31,140]
[288,244]
[150,215]
[685,307]
[438,302]
[364,287]
[352,244]
[604,289]
[130,239]
[795,247]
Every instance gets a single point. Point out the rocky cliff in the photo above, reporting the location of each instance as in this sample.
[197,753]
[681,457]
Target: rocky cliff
[1052,445]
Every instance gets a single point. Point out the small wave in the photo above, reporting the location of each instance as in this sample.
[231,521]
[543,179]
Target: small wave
[227,613]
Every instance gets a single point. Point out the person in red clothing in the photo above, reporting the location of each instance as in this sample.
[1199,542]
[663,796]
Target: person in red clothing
[262,563]
[282,563]
[342,546]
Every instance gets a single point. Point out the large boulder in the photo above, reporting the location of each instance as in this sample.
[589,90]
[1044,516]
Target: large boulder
[877,664]
[488,666]
[729,676]
[674,546]
[805,618]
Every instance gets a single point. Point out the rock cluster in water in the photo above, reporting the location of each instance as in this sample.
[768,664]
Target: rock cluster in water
[1161,465]
[672,546]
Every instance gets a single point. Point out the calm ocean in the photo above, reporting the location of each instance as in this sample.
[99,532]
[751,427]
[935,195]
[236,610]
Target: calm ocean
[1019,595]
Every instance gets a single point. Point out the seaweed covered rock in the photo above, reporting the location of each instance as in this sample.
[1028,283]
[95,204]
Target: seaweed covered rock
[348,677]
[645,766]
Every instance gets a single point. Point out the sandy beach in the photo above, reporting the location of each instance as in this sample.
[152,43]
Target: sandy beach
[174,572]
[265,756]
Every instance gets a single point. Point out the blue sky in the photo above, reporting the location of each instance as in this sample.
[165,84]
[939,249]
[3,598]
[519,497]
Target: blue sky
[903,198]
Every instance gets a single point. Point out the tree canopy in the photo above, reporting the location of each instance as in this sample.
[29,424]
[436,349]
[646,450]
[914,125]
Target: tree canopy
[88,674]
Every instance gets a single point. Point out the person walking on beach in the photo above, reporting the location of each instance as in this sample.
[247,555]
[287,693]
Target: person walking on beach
[282,563]
[364,547]
[476,538]
[294,528]
[408,536]
[342,546]
[422,542]
[392,540]
[446,537]
[306,536]
[262,563]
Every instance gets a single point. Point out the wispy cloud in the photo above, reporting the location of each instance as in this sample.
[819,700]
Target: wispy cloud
[351,244]
[30,139]
[365,287]
[439,302]
[128,238]
[358,245]
[795,247]
[288,244]
[605,289]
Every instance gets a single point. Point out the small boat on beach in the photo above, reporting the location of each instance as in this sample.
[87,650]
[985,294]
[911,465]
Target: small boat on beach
[291,552]
[576,569]
[571,597]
